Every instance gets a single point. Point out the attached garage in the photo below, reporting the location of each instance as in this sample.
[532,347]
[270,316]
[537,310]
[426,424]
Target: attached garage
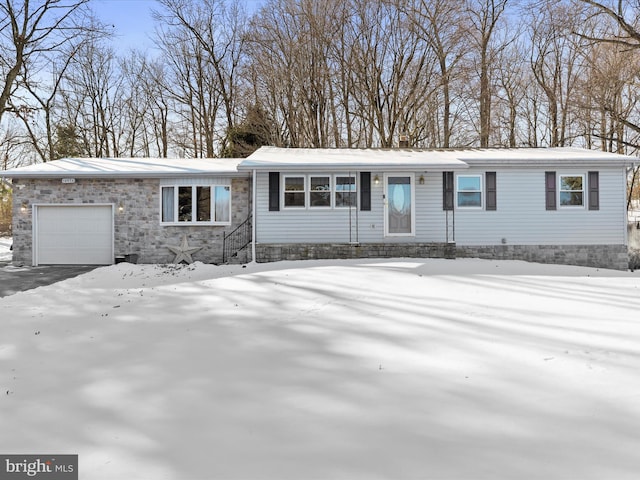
[73,234]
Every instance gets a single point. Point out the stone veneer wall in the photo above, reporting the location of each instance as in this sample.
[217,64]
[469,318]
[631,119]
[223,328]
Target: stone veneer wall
[317,251]
[137,228]
[600,256]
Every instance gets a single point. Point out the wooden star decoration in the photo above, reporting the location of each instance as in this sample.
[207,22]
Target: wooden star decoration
[183,251]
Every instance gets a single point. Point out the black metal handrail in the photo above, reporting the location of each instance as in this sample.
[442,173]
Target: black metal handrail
[236,240]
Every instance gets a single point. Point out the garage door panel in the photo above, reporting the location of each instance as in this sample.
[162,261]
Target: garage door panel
[75,235]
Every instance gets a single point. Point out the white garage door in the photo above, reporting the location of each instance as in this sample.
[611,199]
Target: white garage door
[74,234]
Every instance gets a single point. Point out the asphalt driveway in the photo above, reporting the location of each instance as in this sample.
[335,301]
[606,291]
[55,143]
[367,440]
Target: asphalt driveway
[14,279]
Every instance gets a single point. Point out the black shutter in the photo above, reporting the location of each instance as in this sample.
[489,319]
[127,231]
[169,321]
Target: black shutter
[447,190]
[274,191]
[365,191]
[594,191]
[492,200]
[550,190]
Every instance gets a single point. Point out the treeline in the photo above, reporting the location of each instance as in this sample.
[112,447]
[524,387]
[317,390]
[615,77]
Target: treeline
[308,73]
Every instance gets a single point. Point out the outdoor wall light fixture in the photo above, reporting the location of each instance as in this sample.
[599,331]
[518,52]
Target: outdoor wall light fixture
[23,207]
[120,207]
[421,180]
[376,180]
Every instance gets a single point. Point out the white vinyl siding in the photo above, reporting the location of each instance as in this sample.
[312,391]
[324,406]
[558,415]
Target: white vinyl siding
[522,218]
[349,224]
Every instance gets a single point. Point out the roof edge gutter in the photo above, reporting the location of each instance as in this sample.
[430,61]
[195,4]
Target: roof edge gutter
[309,167]
[119,175]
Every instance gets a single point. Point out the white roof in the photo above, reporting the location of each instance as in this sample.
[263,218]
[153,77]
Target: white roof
[557,156]
[344,158]
[437,159]
[127,168]
[318,159]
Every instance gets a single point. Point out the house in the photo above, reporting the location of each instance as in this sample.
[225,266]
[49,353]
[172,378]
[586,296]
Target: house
[560,205]
[557,205]
[97,211]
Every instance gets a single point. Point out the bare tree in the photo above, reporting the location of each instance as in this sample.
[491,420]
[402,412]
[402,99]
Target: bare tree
[29,31]
[92,99]
[555,66]
[512,78]
[294,58]
[392,71]
[37,110]
[617,25]
[149,78]
[210,32]
[623,16]
[608,97]
[442,24]
[484,16]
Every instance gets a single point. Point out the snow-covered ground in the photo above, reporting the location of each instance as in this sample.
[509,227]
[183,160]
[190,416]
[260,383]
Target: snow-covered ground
[5,252]
[390,369]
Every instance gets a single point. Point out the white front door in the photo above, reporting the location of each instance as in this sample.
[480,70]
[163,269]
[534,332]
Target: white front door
[399,205]
[73,235]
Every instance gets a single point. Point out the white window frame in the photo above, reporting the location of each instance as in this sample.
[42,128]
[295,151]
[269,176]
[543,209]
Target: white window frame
[194,222]
[285,191]
[335,190]
[583,190]
[481,192]
[307,178]
[310,191]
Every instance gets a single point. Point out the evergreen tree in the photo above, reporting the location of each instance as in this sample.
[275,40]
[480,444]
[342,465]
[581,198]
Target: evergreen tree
[255,131]
[68,143]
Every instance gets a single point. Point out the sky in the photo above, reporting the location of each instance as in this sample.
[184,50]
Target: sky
[132,21]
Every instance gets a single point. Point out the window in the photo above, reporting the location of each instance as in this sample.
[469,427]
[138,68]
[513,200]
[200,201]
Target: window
[168,204]
[469,188]
[203,202]
[294,192]
[185,205]
[313,191]
[195,204]
[571,190]
[320,191]
[345,192]
[223,204]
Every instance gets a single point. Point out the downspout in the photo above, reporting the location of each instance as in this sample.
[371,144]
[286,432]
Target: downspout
[627,203]
[350,215]
[355,180]
[253,215]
